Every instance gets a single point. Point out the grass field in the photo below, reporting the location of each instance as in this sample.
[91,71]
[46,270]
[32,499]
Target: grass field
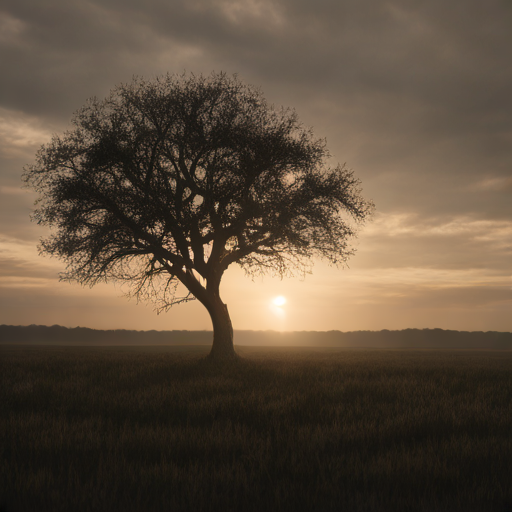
[158,429]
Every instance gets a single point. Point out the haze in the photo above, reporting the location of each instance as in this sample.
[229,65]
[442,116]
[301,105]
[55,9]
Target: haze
[416,98]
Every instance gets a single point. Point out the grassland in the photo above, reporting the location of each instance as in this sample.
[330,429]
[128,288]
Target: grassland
[158,429]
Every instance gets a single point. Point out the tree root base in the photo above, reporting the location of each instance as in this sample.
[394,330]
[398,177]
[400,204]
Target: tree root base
[222,357]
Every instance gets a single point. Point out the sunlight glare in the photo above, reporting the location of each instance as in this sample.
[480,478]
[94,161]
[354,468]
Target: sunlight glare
[279,301]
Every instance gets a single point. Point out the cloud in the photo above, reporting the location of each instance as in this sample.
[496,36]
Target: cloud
[413,240]
[21,134]
[11,29]
[16,206]
[19,263]
[411,225]
[494,184]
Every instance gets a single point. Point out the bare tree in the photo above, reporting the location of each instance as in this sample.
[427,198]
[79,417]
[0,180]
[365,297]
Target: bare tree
[171,181]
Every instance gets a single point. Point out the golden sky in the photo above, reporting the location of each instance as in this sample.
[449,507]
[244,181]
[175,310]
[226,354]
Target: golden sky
[414,97]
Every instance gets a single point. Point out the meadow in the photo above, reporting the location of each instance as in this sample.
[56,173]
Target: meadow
[284,429]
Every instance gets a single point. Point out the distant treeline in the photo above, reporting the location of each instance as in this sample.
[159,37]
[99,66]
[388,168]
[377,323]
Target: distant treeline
[408,338]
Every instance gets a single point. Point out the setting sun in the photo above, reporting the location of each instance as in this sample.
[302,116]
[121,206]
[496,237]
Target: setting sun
[279,301]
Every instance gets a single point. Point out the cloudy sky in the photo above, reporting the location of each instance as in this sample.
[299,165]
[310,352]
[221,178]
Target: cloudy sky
[415,97]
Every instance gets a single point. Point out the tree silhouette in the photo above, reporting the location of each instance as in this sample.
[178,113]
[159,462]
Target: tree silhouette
[171,181]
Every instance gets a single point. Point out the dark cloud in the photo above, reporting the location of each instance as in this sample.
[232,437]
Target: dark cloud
[420,89]
[449,56]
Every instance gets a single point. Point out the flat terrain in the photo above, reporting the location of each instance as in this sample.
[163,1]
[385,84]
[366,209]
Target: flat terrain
[157,428]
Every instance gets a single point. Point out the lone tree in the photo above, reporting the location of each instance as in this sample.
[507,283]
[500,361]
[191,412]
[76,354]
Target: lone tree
[171,181]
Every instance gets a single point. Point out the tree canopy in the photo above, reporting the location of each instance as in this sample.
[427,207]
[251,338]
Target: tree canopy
[172,180]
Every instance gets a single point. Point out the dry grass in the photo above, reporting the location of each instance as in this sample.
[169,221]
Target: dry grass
[157,428]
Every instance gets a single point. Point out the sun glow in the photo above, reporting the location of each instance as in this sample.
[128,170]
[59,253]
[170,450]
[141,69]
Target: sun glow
[279,301]
[276,307]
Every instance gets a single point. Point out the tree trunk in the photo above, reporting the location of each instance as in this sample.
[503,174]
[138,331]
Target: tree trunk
[222,347]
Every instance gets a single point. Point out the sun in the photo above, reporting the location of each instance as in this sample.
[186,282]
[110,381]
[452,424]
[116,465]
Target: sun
[279,301]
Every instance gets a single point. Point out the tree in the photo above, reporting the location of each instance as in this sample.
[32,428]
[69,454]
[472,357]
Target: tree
[171,181]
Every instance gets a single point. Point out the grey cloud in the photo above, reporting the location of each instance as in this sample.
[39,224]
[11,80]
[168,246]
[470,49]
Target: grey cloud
[455,297]
[69,52]
[323,46]
[23,271]
[437,243]
[15,210]
[446,62]
[450,253]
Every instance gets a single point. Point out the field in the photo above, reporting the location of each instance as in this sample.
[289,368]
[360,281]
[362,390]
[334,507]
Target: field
[159,429]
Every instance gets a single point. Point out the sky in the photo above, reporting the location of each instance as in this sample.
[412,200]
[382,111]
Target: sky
[415,97]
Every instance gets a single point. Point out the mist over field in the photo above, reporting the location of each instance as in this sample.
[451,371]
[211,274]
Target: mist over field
[385,339]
